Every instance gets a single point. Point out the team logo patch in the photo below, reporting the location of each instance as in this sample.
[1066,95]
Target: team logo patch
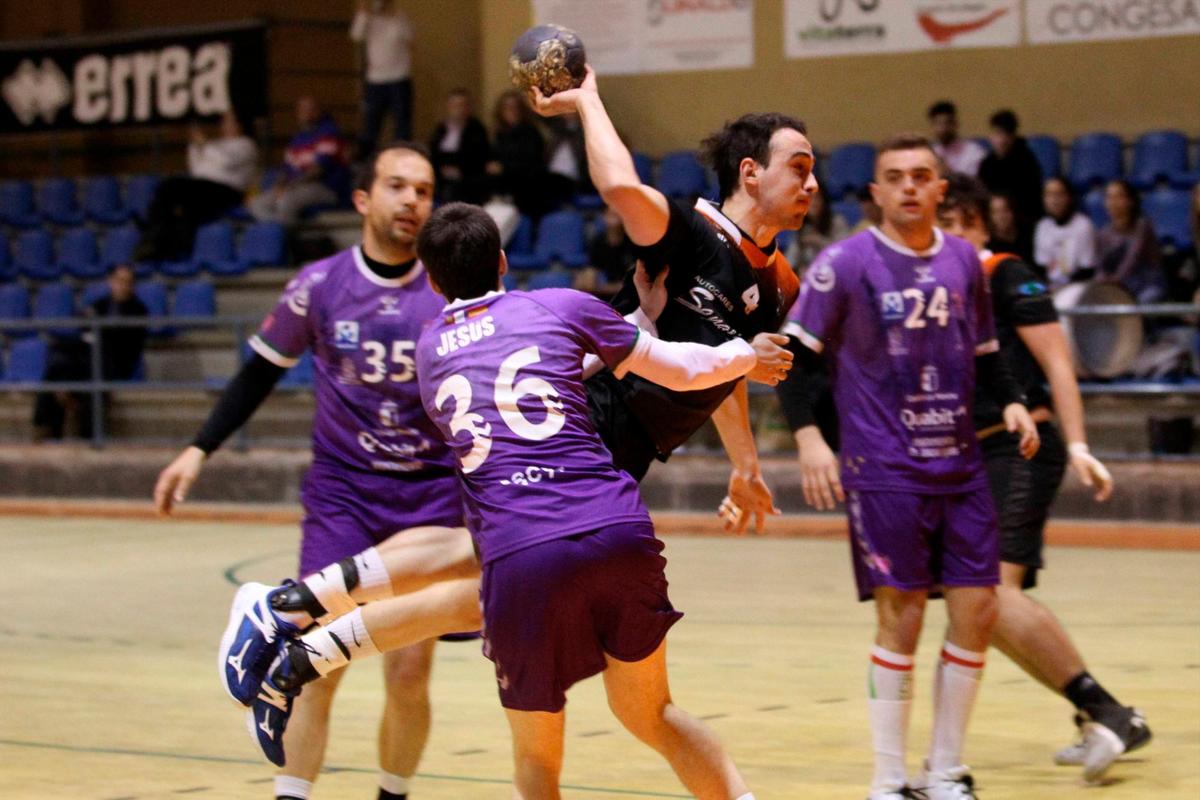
[929,379]
[1031,289]
[751,297]
[345,334]
[892,306]
[821,277]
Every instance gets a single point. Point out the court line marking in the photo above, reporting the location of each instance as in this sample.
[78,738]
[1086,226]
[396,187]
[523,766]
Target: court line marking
[117,751]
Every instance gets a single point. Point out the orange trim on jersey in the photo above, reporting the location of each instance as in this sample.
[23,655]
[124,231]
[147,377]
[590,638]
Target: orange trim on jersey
[889,665]
[995,260]
[961,661]
[785,277]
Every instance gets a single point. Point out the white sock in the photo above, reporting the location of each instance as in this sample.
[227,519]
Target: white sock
[889,688]
[955,687]
[391,782]
[374,583]
[287,786]
[747,796]
[339,643]
[329,588]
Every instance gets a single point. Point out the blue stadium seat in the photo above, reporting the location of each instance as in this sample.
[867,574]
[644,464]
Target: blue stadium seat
[58,202]
[300,375]
[1048,152]
[682,176]
[7,271]
[588,202]
[521,241]
[1092,204]
[93,292]
[559,238]
[119,246]
[154,295]
[102,201]
[54,301]
[1169,210]
[139,192]
[214,249]
[187,268]
[16,205]
[14,304]
[511,281]
[78,255]
[551,280]
[851,167]
[34,257]
[849,209]
[195,299]
[644,166]
[26,361]
[264,244]
[784,239]
[1095,159]
[1159,156]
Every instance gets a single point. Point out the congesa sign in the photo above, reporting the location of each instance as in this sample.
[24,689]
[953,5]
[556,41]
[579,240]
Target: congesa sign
[814,28]
[147,78]
[1051,21]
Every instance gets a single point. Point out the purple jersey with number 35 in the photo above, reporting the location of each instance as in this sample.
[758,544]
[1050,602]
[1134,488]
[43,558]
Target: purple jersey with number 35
[900,331]
[501,377]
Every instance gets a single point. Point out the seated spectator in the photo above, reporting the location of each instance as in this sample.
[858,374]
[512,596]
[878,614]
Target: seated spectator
[1012,169]
[219,172]
[1064,242]
[822,227]
[518,165]
[959,155]
[1182,267]
[70,358]
[567,160]
[1127,250]
[387,33]
[1006,236]
[872,214]
[460,153]
[315,170]
[611,255]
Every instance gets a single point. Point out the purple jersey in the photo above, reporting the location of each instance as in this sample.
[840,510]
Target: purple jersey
[501,376]
[900,331]
[363,331]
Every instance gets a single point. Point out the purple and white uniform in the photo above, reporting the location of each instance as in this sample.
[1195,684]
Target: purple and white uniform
[572,569]
[900,331]
[379,464]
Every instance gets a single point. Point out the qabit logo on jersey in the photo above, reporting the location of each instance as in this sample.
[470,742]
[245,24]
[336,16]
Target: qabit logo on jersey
[892,306]
[751,297]
[345,334]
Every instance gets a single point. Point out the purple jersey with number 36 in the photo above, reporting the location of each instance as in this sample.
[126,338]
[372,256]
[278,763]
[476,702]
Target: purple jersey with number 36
[900,331]
[501,377]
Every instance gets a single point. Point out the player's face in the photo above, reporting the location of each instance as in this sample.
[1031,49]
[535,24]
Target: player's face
[401,198]
[955,222]
[945,127]
[907,187]
[785,187]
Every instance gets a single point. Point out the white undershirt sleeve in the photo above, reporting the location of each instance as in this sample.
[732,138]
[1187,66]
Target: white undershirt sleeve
[592,363]
[687,366]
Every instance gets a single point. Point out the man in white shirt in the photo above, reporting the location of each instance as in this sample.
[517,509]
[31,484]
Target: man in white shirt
[1064,242]
[387,34]
[959,155]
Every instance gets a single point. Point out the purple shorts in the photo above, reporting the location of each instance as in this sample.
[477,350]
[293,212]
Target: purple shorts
[920,541]
[345,511]
[552,611]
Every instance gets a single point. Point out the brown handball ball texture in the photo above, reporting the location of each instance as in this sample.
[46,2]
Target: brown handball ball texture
[549,57]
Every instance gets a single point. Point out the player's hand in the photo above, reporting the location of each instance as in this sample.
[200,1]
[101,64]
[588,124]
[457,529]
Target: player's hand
[820,476]
[1091,472]
[774,359]
[563,102]
[1017,420]
[176,480]
[652,293]
[748,496]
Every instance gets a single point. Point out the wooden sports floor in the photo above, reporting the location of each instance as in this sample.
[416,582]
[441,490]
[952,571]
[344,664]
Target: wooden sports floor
[108,684]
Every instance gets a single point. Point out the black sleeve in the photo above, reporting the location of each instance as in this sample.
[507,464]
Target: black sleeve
[799,392]
[1021,294]
[677,247]
[244,393]
[995,377]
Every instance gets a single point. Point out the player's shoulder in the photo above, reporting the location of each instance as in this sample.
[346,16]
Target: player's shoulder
[1011,274]
[558,301]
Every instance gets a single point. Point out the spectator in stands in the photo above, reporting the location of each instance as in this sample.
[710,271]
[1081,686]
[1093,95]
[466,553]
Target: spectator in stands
[871,213]
[315,168]
[567,159]
[611,255]
[1182,267]
[959,155]
[460,152]
[1127,250]
[518,165]
[822,227]
[220,170]
[1012,169]
[1064,242]
[70,358]
[387,86]
[1007,237]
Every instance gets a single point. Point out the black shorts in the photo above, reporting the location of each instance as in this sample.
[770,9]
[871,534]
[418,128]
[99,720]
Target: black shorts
[631,446]
[1023,491]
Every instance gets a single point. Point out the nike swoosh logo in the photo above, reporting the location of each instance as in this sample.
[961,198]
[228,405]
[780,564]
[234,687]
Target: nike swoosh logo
[942,33]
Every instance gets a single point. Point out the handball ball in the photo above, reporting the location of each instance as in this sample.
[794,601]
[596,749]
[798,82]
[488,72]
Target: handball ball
[549,57]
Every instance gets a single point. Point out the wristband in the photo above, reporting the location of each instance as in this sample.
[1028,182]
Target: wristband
[1078,449]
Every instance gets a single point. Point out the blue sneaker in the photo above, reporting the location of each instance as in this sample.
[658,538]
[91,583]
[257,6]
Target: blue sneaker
[250,641]
[268,716]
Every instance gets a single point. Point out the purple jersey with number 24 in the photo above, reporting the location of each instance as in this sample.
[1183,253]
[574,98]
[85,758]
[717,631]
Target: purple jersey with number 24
[900,331]
[501,377]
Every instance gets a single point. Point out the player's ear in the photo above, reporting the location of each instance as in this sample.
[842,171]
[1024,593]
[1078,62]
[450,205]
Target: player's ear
[748,171]
[362,201]
[874,187]
[502,269]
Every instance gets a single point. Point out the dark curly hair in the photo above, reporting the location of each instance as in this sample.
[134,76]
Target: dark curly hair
[748,136]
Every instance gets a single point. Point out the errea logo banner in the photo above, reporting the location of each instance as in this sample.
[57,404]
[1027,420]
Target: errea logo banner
[151,77]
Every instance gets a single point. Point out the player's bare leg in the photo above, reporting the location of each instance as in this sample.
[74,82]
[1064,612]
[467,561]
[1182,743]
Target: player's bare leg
[537,753]
[447,607]
[418,557]
[1029,634]
[404,727]
[308,731]
[639,695]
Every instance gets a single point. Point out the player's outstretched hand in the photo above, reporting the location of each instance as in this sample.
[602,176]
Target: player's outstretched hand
[748,496]
[1091,472]
[819,474]
[652,293]
[566,102]
[176,480]
[774,359]
[1017,420]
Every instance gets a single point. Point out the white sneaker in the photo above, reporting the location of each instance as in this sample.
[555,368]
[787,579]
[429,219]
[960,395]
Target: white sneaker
[1073,754]
[955,783]
[903,793]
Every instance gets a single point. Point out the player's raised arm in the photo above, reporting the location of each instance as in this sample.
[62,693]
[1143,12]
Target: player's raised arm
[643,209]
